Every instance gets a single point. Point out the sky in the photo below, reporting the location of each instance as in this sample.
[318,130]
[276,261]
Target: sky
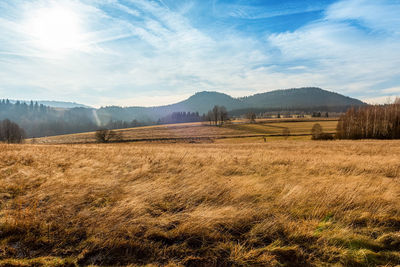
[147,53]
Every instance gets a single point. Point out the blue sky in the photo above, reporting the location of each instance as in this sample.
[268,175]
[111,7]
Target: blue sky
[137,52]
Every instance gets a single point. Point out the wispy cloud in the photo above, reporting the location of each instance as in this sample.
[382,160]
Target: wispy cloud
[376,15]
[342,55]
[248,11]
[130,51]
[394,90]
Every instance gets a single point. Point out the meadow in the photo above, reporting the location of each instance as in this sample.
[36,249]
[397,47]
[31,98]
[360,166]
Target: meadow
[274,203]
[203,131]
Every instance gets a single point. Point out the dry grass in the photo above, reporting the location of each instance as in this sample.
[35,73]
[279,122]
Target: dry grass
[276,128]
[272,204]
[202,131]
[179,131]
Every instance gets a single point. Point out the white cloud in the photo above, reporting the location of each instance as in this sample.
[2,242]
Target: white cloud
[395,90]
[144,49]
[376,15]
[341,55]
[388,99]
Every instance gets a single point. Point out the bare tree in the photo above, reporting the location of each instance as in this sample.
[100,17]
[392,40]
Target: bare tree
[251,116]
[105,136]
[215,112]
[377,121]
[218,115]
[210,116]
[223,115]
[10,132]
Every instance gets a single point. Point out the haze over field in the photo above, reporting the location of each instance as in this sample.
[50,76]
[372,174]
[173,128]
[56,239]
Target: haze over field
[138,52]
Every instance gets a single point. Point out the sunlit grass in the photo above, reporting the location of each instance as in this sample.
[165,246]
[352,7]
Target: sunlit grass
[279,202]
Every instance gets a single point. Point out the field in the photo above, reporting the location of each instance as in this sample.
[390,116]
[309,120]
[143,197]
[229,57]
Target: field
[203,132]
[274,203]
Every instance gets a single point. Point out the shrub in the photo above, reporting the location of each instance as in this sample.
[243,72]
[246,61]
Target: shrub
[325,136]
[105,136]
[317,133]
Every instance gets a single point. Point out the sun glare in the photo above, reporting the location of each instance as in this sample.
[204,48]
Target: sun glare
[55,29]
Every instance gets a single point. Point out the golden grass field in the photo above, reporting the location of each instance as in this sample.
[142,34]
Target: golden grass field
[278,203]
[185,131]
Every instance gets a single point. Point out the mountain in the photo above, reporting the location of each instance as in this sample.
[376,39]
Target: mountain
[298,98]
[60,104]
[306,97]
[202,102]
[54,104]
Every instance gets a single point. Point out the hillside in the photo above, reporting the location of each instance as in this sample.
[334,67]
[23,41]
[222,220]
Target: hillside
[204,101]
[299,98]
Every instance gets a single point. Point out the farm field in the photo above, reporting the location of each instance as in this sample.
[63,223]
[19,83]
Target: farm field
[279,203]
[272,128]
[202,131]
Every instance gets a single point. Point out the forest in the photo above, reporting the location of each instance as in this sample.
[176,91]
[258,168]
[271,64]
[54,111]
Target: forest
[371,122]
[38,120]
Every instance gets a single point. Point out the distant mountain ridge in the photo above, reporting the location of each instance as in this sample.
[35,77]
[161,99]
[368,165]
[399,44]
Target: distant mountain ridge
[54,104]
[286,99]
[306,97]
[48,118]
[299,98]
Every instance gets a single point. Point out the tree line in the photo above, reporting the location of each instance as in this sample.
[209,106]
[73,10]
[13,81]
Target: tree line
[39,120]
[374,122]
[218,115]
[181,117]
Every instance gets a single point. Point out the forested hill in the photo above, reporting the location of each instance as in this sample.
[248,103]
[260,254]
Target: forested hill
[40,120]
[300,98]
[290,99]
[200,102]
[307,97]
[53,104]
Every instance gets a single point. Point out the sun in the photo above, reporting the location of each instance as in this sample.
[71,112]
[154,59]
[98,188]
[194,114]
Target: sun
[55,29]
